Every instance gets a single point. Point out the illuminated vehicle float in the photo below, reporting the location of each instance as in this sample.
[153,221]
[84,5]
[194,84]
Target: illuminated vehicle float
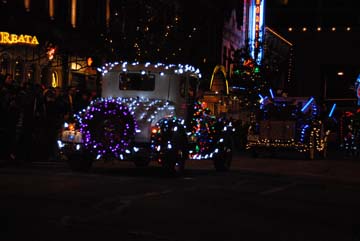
[148,112]
[350,133]
[291,123]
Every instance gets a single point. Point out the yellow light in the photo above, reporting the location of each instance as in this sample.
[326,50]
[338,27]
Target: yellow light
[278,35]
[318,29]
[203,104]
[348,29]
[108,12]
[333,29]
[340,73]
[73,13]
[290,29]
[75,66]
[54,80]
[51,9]
[27,5]
[304,29]
[89,61]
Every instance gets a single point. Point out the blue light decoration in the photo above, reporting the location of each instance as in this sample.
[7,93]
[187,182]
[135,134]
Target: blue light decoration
[357,87]
[261,98]
[271,93]
[315,110]
[263,102]
[332,110]
[303,132]
[307,104]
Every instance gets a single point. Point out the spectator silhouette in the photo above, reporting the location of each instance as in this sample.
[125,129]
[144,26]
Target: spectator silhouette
[9,116]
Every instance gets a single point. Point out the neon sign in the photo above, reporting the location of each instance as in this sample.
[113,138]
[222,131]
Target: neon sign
[357,87]
[256,29]
[7,38]
[257,23]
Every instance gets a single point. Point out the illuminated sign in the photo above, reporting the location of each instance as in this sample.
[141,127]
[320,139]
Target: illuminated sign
[10,38]
[257,23]
[256,29]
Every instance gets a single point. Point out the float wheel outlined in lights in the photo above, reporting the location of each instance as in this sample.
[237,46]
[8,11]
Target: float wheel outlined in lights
[108,128]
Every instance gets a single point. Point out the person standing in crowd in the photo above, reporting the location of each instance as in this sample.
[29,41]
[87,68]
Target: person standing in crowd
[69,98]
[59,108]
[9,116]
[31,111]
[51,117]
[82,100]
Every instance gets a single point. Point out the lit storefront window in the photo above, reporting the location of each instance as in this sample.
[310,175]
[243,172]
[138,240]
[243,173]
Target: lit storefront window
[75,66]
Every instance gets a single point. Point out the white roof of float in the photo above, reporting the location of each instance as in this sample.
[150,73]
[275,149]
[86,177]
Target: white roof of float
[149,67]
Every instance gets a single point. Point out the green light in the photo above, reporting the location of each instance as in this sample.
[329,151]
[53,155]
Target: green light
[256,70]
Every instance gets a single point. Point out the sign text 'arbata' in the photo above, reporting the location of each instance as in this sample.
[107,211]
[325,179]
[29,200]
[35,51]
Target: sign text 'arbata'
[10,38]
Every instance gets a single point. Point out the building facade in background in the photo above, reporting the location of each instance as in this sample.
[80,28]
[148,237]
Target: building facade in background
[325,36]
[61,28]
[70,32]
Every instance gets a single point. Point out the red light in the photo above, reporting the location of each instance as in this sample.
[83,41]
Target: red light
[51,53]
[71,127]
[348,114]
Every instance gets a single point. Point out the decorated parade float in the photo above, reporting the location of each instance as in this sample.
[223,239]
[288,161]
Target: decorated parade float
[268,122]
[147,112]
[291,123]
[349,126]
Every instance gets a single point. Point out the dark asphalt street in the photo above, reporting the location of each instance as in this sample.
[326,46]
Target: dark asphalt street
[259,199]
